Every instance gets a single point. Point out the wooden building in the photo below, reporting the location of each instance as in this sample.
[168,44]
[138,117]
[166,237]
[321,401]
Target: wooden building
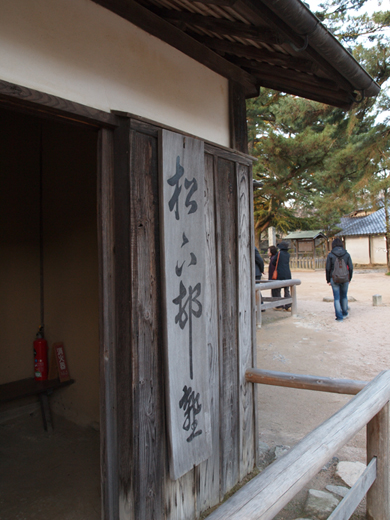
[364,237]
[305,243]
[91,95]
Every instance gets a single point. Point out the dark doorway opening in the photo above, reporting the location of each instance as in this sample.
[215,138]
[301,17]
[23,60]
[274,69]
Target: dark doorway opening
[53,475]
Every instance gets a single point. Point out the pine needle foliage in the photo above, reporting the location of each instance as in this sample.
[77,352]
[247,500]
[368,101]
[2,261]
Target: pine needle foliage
[317,162]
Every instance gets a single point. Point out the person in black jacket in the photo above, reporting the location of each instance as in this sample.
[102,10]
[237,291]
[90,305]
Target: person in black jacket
[259,265]
[282,260]
[340,290]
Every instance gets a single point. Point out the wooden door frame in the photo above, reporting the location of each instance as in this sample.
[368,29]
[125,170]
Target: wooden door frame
[21,99]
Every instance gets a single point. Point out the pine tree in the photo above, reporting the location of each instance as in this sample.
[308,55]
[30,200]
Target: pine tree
[316,162]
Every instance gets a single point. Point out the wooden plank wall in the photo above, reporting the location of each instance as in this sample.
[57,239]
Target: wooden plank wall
[146,491]
[227,262]
[207,474]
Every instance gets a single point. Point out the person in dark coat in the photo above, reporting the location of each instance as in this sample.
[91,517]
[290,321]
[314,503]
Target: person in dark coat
[340,290]
[284,273]
[259,265]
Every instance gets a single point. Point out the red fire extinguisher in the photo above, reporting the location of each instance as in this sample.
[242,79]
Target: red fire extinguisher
[40,356]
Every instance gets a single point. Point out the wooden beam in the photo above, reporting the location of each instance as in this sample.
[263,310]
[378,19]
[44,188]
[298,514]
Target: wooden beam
[29,99]
[220,26]
[237,118]
[275,71]
[304,382]
[148,21]
[149,127]
[221,3]
[339,99]
[305,68]
[249,51]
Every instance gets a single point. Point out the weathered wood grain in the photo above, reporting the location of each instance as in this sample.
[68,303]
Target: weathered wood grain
[246,431]
[275,284]
[26,98]
[294,303]
[122,306]
[108,384]
[356,494]
[228,154]
[207,474]
[226,212]
[269,492]
[378,445]
[183,244]
[253,327]
[148,432]
[303,382]
[146,491]
[180,498]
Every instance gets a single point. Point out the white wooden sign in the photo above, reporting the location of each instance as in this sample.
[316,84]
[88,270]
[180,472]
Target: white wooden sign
[184,274]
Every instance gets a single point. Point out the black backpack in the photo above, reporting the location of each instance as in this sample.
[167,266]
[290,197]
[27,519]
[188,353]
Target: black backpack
[340,272]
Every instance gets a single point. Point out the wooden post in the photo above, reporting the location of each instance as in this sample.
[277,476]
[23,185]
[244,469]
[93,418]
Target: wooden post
[294,305]
[378,504]
[108,395]
[237,117]
[258,309]
[314,252]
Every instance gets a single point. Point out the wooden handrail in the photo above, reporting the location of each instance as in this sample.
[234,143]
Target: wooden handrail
[303,382]
[265,495]
[276,284]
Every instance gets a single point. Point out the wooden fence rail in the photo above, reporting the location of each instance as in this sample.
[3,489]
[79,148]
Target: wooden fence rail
[307,263]
[303,382]
[265,495]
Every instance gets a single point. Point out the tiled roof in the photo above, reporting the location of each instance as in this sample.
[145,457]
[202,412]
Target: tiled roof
[345,222]
[374,224]
[311,234]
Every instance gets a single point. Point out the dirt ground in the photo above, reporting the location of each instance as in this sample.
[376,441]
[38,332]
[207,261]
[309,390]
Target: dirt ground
[313,343]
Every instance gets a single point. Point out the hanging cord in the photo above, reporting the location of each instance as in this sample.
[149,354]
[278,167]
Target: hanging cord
[41,231]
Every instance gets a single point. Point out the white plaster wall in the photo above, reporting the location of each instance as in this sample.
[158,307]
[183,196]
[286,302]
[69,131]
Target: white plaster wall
[358,248]
[82,52]
[378,250]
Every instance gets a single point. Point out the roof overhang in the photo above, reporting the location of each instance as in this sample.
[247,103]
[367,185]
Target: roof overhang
[305,235]
[278,44]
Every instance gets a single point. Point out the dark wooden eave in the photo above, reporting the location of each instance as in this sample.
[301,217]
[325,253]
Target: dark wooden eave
[277,44]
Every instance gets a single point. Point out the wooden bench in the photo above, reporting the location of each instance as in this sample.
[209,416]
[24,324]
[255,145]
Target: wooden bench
[263,303]
[28,387]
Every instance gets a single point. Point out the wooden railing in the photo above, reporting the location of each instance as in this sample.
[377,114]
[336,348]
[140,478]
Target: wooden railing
[265,495]
[321,384]
[265,302]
